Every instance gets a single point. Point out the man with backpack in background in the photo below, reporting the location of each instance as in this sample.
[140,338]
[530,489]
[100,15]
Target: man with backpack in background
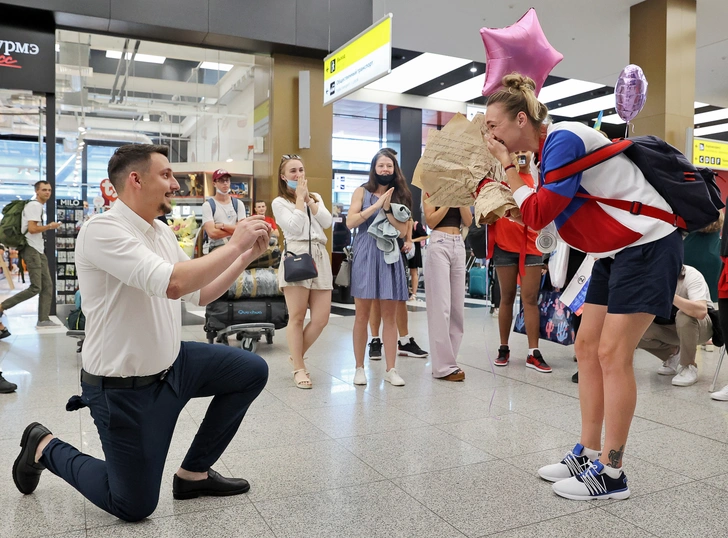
[32,252]
[220,213]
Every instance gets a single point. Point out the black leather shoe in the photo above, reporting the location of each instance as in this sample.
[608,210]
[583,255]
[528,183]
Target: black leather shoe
[4,333]
[215,485]
[26,472]
[6,387]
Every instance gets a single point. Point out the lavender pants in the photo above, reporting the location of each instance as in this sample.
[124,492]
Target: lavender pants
[445,295]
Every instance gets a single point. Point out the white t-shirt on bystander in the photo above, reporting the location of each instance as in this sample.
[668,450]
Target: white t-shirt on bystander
[224,214]
[693,286]
[33,211]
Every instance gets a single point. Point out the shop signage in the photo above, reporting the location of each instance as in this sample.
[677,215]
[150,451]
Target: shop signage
[710,153]
[108,192]
[27,58]
[362,60]
[70,204]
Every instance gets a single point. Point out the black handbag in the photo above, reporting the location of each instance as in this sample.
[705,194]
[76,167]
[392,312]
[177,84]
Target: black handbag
[298,267]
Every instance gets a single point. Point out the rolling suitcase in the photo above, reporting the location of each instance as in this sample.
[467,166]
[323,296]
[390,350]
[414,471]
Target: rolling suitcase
[223,313]
[477,281]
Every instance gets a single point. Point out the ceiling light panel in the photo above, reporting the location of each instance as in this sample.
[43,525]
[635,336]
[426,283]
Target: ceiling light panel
[713,129]
[713,115]
[614,119]
[465,91]
[417,71]
[148,58]
[585,107]
[216,66]
[566,88]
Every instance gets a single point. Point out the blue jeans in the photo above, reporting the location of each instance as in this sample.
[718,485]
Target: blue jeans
[136,427]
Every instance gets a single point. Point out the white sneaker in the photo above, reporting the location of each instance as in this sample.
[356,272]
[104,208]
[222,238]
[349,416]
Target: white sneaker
[669,367]
[593,483]
[574,463]
[686,376]
[721,395]
[708,347]
[360,378]
[393,378]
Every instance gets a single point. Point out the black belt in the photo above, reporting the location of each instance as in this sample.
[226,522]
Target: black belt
[122,382]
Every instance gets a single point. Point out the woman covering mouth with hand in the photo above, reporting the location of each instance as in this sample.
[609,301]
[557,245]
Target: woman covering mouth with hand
[633,280]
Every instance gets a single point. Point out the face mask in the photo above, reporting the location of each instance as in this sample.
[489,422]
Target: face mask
[220,192]
[292,184]
[385,179]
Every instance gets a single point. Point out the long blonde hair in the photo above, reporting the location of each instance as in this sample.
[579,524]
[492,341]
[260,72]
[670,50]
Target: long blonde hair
[518,95]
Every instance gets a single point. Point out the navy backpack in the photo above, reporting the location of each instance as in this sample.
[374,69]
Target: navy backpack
[691,192]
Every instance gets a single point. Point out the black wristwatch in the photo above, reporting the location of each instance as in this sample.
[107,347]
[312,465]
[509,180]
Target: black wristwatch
[388,211]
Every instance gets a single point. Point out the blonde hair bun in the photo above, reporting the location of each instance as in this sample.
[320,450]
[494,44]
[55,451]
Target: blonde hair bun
[519,95]
[518,82]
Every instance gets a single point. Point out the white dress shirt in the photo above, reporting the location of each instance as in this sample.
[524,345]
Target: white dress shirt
[294,222]
[124,265]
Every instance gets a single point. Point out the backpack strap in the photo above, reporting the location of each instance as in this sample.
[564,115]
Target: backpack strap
[590,160]
[235,206]
[213,205]
[638,208]
[598,156]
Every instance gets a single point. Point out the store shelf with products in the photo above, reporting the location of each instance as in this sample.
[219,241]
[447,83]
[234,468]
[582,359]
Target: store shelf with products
[70,214]
[197,186]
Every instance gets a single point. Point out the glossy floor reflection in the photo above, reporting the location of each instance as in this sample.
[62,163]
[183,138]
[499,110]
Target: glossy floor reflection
[431,459]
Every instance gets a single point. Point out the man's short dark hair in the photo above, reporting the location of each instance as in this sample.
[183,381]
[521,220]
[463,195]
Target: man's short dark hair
[129,156]
[37,184]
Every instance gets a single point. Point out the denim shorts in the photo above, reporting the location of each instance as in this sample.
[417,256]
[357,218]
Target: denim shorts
[503,258]
[639,279]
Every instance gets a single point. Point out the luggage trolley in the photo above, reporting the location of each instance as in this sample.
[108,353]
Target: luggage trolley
[248,319]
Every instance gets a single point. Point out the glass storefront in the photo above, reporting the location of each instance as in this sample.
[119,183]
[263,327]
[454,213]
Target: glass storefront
[111,91]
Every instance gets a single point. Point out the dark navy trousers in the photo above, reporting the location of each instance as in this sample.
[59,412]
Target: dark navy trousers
[136,427]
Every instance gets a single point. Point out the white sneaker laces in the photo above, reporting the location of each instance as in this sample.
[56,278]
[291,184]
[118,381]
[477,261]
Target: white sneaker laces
[572,464]
[593,481]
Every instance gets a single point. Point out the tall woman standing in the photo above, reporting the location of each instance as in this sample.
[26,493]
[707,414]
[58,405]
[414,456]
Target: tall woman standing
[445,287]
[633,280]
[372,277]
[302,217]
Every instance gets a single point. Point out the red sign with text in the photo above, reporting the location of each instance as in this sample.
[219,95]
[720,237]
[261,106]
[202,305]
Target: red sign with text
[108,192]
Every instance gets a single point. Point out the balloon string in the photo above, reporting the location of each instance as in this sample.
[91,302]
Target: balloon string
[626,130]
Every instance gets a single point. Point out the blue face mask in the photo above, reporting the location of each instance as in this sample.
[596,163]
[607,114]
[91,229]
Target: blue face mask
[292,184]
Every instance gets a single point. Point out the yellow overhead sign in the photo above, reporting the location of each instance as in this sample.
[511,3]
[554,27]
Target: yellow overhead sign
[362,60]
[710,153]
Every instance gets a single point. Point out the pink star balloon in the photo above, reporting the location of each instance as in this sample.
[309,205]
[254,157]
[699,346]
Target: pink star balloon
[521,48]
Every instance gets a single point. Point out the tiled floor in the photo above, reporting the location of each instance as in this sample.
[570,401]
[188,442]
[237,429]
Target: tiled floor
[431,459]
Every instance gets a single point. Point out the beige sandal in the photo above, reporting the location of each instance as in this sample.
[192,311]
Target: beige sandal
[302,383]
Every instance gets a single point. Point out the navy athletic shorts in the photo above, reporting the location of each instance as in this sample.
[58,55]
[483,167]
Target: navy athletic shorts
[639,279]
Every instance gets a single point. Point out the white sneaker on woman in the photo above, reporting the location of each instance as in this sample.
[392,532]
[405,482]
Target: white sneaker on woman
[721,395]
[360,378]
[393,378]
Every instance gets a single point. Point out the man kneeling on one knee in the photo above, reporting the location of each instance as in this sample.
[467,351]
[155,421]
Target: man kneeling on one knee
[675,341]
[137,376]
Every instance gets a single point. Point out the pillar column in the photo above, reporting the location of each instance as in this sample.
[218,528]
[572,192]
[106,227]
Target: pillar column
[404,134]
[284,128]
[662,43]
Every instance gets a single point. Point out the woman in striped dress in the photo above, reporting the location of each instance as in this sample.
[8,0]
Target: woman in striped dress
[372,278]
